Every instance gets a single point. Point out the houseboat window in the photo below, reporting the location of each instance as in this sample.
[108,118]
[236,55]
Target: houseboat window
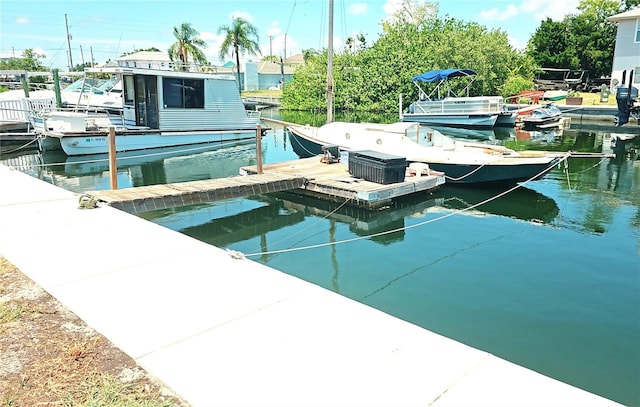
[183,93]
[129,90]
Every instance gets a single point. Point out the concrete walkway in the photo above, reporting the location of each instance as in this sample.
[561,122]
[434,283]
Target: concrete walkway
[221,331]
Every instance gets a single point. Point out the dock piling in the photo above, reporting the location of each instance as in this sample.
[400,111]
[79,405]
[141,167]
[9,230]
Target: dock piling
[113,166]
[259,148]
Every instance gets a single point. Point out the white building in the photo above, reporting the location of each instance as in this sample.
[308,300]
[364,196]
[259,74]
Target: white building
[626,54]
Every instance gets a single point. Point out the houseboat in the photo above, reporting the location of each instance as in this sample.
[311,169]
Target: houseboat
[160,108]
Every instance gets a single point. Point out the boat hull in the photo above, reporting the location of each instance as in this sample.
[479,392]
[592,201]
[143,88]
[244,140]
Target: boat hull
[84,144]
[458,169]
[493,173]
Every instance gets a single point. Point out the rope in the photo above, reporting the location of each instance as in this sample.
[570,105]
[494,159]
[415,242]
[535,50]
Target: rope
[21,147]
[466,175]
[311,153]
[456,212]
[312,225]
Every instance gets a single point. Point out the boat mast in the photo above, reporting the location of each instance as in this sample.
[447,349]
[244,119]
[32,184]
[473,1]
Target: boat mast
[330,66]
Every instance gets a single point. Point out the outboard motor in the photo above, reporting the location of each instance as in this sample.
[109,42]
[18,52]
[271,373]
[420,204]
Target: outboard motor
[625,96]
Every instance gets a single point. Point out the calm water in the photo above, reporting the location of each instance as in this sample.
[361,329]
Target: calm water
[547,276]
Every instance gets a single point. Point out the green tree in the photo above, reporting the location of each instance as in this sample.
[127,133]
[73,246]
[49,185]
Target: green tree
[188,42]
[152,49]
[308,54]
[28,61]
[241,37]
[371,79]
[551,45]
[595,36]
[582,41]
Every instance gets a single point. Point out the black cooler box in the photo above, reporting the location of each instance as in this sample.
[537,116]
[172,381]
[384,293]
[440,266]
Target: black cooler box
[377,167]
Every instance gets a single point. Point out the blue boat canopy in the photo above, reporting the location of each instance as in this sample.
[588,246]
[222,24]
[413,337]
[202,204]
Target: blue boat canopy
[441,74]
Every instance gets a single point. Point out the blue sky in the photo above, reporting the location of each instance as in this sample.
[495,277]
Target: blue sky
[109,28]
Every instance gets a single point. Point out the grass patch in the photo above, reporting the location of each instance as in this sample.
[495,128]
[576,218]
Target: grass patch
[106,390]
[11,311]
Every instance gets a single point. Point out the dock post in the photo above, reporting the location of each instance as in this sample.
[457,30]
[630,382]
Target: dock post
[259,148]
[113,166]
[25,84]
[56,87]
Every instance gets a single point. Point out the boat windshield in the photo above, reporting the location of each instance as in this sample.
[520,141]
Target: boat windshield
[96,86]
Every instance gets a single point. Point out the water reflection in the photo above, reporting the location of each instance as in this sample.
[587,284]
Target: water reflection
[138,168]
[493,135]
[230,224]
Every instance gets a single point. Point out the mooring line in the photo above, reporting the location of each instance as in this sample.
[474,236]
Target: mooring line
[455,212]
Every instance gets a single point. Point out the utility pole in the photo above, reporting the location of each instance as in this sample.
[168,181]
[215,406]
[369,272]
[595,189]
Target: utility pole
[82,54]
[270,46]
[68,42]
[330,66]
[92,60]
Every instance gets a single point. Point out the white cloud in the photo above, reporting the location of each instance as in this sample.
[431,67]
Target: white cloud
[391,6]
[540,9]
[358,8]
[22,20]
[496,15]
[274,29]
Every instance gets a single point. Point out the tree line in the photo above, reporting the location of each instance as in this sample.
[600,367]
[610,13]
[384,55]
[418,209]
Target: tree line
[416,40]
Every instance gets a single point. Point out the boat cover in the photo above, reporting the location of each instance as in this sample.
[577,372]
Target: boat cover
[441,74]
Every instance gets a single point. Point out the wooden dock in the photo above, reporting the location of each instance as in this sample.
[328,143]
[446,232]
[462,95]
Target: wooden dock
[333,182]
[307,176]
[154,197]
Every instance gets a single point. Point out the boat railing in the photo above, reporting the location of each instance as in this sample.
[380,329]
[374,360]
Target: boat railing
[21,110]
[253,114]
[459,106]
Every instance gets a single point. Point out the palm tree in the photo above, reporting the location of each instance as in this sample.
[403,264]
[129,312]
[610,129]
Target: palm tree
[187,43]
[241,37]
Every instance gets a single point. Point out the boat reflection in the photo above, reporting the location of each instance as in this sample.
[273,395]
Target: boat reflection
[224,224]
[485,135]
[522,203]
[138,168]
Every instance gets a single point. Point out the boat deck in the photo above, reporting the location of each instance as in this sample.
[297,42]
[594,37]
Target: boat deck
[333,182]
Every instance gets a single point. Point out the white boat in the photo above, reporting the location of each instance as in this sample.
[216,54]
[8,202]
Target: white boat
[461,161]
[19,112]
[443,107]
[159,109]
[93,93]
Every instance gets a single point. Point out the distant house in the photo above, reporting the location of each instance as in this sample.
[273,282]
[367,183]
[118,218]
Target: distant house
[626,55]
[6,57]
[269,75]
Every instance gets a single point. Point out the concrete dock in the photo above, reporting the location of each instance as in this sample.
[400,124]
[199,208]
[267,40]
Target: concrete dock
[221,330]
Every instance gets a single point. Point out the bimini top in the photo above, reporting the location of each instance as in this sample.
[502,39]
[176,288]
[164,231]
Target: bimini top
[442,74]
